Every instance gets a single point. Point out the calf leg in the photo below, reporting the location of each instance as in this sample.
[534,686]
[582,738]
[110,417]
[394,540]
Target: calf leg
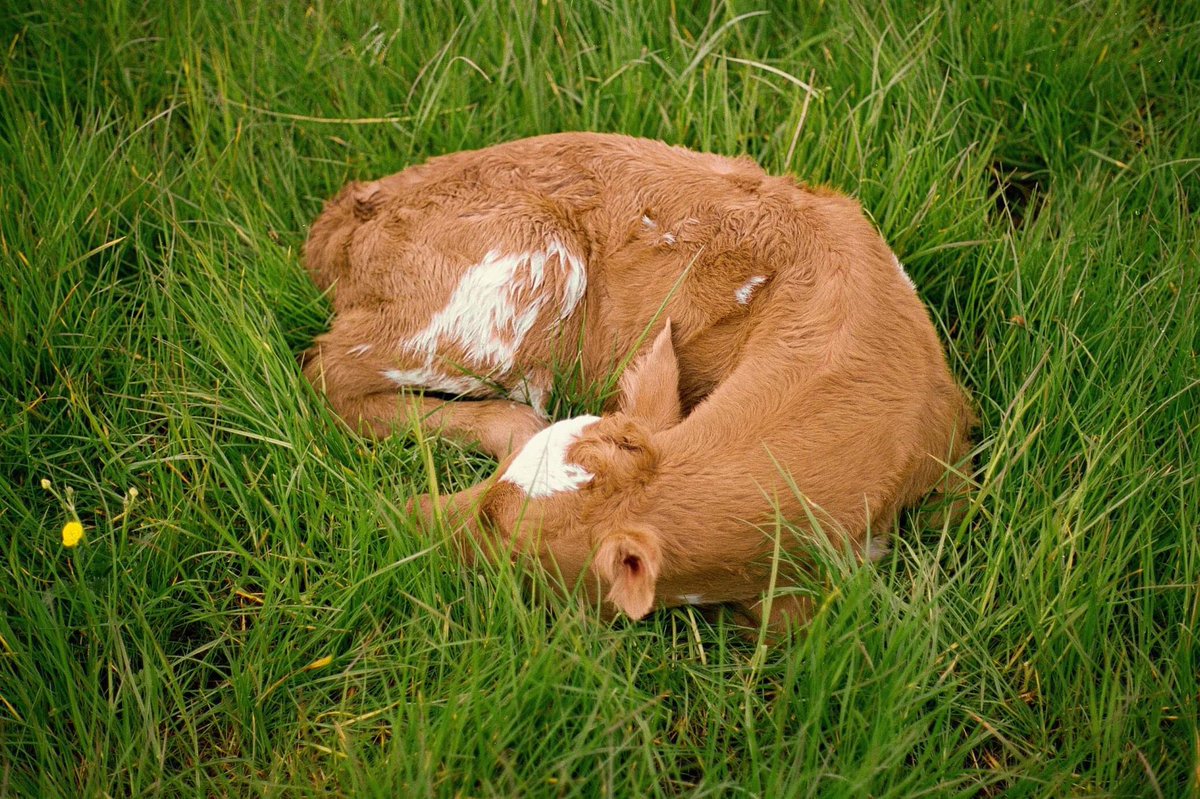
[497,427]
[788,611]
[368,401]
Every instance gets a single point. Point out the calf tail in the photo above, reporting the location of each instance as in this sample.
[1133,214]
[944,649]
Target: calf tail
[327,250]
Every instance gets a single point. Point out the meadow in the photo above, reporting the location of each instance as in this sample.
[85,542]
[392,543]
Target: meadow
[251,612]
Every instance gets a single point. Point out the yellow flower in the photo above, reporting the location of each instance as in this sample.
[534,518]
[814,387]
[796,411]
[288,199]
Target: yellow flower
[72,534]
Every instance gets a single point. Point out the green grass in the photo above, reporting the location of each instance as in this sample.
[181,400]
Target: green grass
[1036,166]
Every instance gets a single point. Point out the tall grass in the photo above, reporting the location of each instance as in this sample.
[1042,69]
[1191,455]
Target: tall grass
[263,619]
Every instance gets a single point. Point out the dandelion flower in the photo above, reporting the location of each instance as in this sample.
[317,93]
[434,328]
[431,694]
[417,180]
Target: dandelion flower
[72,534]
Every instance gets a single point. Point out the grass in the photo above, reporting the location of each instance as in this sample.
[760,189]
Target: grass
[262,619]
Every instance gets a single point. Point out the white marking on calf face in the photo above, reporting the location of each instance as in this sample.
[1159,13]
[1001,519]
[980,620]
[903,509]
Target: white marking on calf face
[744,294]
[541,467]
[436,381]
[668,238]
[648,222]
[358,350]
[487,315]
[900,268]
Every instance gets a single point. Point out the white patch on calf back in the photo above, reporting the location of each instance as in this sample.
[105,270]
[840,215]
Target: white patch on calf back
[574,279]
[436,381]
[541,468]
[903,274]
[486,314]
[744,294]
[481,315]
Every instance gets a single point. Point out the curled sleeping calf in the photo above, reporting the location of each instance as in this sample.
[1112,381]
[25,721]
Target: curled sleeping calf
[798,375]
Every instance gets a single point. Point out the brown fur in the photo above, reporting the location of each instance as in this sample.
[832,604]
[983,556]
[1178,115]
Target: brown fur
[825,396]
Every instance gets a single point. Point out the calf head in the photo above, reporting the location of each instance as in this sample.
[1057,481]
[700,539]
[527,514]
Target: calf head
[573,495]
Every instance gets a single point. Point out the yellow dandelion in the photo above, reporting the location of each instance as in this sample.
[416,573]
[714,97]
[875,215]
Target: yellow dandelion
[72,534]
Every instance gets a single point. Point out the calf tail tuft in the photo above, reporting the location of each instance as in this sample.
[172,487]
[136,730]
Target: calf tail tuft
[326,252]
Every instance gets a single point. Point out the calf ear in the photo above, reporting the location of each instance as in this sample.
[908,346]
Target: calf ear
[650,387]
[629,561]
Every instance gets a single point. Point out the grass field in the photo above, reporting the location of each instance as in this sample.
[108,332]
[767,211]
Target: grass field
[260,618]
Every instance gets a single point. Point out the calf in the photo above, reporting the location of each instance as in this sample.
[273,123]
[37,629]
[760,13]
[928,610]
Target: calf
[798,376]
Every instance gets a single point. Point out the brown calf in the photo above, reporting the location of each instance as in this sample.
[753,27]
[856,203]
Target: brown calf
[799,374]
